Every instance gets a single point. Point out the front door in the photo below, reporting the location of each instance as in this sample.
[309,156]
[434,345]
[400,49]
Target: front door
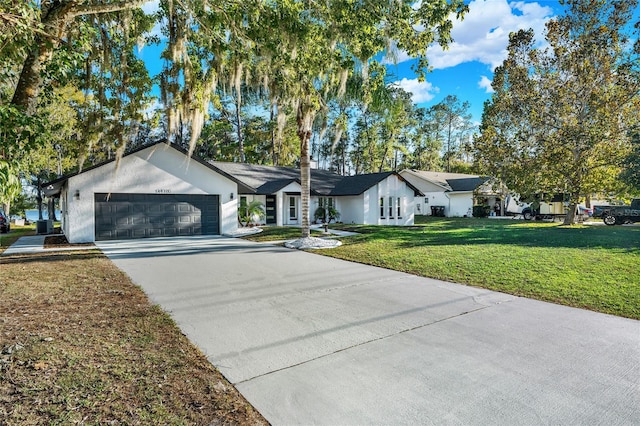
[271,209]
[292,210]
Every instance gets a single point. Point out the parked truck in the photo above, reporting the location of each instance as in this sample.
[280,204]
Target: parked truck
[617,215]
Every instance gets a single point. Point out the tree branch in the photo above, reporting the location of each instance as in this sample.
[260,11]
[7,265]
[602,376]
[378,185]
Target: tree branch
[95,9]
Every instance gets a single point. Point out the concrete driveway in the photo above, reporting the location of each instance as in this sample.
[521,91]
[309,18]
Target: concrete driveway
[313,340]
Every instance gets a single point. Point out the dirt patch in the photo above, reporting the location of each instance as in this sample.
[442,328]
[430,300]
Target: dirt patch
[53,241]
[79,343]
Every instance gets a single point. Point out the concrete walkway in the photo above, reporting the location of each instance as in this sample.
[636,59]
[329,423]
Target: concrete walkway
[31,244]
[35,244]
[309,339]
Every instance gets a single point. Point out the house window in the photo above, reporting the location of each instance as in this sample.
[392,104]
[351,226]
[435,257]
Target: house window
[426,201]
[381,207]
[390,207]
[243,206]
[325,202]
[398,208]
[293,211]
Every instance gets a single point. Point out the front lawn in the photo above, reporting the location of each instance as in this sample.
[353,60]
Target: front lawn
[586,266]
[279,233]
[81,344]
[16,232]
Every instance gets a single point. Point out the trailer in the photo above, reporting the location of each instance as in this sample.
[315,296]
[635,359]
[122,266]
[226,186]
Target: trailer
[545,208]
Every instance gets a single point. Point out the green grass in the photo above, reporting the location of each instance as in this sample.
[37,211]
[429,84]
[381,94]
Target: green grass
[278,233]
[16,232]
[592,267]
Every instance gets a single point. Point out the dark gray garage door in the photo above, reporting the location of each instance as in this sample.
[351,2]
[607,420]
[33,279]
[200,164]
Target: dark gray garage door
[126,216]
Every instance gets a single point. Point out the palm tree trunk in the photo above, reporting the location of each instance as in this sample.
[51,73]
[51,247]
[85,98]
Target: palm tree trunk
[304,117]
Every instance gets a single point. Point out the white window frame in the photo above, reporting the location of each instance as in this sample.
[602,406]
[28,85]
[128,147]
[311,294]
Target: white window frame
[293,208]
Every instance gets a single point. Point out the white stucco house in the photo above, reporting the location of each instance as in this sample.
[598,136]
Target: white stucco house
[369,199]
[158,190]
[457,193]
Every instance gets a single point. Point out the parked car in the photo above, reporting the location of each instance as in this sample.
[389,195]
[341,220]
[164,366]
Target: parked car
[5,225]
[617,215]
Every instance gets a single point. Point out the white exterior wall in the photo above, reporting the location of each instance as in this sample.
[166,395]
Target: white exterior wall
[460,204]
[438,198]
[390,187]
[455,204]
[158,169]
[282,202]
[353,209]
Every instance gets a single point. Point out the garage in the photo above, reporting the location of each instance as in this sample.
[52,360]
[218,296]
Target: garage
[126,216]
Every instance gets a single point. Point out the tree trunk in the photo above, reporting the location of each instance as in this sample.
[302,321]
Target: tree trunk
[305,180]
[304,117]
[39,197]
[570,217]
[28,87]
[51,209]
[54,19]
[239,130]
[274,157]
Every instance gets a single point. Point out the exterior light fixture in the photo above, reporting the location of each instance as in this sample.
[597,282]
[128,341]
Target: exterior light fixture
[76,195]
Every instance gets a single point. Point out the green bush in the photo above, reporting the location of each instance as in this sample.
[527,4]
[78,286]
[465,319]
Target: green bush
[481,211]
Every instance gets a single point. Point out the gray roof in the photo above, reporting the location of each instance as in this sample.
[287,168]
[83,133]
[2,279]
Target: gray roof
[264,180]
[258,179]
[450,182]
[357,184]
[466,184]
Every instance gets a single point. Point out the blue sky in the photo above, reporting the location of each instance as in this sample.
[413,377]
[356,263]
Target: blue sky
[480,41]
[466,68]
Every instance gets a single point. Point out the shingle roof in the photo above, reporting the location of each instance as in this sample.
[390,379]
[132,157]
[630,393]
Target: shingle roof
[357,184]
[264,180]
[269,179]
[466,184]
[451,182]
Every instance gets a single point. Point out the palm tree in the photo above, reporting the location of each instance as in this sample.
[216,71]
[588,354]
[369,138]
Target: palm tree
[247,212]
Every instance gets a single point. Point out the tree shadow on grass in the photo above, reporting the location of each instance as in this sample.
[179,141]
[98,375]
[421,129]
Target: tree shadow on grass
[472,232]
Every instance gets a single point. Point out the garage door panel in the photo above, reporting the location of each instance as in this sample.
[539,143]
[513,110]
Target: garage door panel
[124,216]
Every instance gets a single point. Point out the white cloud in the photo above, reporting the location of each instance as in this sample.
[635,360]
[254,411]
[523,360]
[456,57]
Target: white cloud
[483,34]
[421,91]
[485,84]
[150,7]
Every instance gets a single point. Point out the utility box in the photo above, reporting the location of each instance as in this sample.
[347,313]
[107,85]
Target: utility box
[44,227]
[437,211]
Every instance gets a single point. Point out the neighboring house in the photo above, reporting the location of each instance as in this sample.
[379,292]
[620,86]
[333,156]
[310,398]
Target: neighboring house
[457,193]
[157,190]
[377,198]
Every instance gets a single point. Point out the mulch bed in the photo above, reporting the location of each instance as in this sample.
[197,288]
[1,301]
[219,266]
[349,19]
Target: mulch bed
[54,241]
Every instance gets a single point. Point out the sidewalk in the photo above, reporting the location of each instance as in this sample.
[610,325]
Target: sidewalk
[35,244]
